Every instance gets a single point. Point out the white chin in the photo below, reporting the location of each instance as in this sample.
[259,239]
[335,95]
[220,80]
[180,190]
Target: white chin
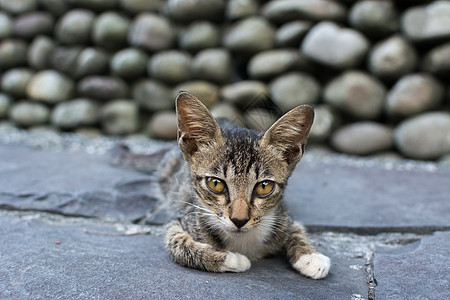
[239,230]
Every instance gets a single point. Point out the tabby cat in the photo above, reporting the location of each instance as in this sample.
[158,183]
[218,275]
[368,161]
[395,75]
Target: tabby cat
[229,189]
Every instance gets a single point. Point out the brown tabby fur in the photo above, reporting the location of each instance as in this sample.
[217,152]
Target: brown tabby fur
[206,234]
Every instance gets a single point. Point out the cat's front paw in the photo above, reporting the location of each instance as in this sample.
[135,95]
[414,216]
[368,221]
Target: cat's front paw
[235,262]
[314,265]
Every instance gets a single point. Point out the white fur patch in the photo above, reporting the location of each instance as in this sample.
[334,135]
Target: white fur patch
[250,243]
[314,265]
[235,262]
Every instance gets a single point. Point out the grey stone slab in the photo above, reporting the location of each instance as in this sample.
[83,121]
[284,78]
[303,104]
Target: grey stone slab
[321,195]
[369,199]
[420,272]
[91,266]
[72,183]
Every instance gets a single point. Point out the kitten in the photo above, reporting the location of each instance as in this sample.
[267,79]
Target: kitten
[229,189]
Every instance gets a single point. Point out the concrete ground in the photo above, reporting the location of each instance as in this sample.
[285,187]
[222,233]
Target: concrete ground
[74,227]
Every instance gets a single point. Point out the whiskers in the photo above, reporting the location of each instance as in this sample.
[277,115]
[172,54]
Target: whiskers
[197,206]
[212,221]
[215,222]
[273,224]
[179,189]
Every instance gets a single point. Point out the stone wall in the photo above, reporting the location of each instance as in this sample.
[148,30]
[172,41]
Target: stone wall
[376,71]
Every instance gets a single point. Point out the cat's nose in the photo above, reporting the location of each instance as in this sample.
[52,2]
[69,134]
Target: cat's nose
[239,222]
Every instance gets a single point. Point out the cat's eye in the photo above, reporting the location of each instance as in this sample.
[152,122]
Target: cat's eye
[215,185]
[264,188]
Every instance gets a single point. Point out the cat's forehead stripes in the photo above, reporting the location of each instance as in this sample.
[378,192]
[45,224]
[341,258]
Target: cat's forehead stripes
[241,156]
[215,169]
[240,149]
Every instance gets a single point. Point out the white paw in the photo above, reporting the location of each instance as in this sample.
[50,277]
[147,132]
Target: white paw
[236,262]
[314,265]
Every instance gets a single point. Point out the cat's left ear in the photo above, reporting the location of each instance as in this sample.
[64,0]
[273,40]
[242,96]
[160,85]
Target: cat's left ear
[288,135]
[196,126]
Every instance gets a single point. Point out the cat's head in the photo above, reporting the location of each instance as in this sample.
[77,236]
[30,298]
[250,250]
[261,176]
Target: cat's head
[239,174]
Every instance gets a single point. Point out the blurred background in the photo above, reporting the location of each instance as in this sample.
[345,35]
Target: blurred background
[377,72]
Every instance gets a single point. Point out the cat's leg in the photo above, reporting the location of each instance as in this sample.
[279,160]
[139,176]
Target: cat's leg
[303,257]
[187,252]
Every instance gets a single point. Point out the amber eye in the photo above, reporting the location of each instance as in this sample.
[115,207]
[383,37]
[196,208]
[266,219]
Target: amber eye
[215,185]
[264,188]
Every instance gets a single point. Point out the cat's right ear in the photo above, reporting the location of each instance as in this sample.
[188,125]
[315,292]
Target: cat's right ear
[196,126]
[288,136]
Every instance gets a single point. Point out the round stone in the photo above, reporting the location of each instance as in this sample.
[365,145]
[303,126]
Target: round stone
[40,51]
[64,59]
[427,22]
[129,63]
[244,93]
[413,94]
[43,129]
[250,35]
[213,64]
[228,111]
[17,7]
[75,113]
[205,91]
[56,7]
[438,60]
[425,136]
[374,18]
[445,161]
[27,114]
[13,53]
[6,25]
[102,87]
[89,131]
[333,46]
[110,30]
[98,5]
[292,33]
[91,61]
[326,120]
[138,6]
[186,11]
[171,66]
[270,63]
[363,138]
[153,95]
[238,9]
[163,125]
[282,11]
[7,124]
[15,81]
[199,35]
[259,119]
[75,27]
[5,103]
[392,58]
[356,93]
[50,86]
[387,156]
[32,24]
[151,32]
[292,89]
[120,117]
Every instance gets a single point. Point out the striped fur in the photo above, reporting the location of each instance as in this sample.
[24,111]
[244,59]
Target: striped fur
[224,232]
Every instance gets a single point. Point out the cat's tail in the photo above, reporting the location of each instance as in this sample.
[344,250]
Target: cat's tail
[122,156]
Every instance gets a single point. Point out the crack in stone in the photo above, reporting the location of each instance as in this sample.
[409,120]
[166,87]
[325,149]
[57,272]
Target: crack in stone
[421,230]
[49,211]
[370,275]
[351,245]
[341,244]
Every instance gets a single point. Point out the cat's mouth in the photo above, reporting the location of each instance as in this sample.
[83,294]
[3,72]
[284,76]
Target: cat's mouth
[239,231]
